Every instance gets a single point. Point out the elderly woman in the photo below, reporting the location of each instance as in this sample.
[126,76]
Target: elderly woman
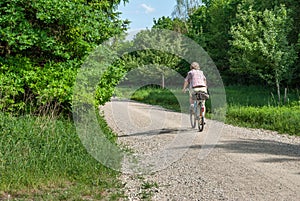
[196,81]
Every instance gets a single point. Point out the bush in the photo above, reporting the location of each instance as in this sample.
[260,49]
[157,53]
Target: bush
[24,87]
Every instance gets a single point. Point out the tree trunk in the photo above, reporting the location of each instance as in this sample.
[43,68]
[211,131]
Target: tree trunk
[162,80]
[285,95]
[278,91]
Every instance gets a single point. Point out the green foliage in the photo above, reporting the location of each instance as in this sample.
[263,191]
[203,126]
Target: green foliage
[171,24]
[260,44]
[155,54]
[58,30]
[293,7]
[147,190]
[44,159]
[198,20]
[27,87]
[42,45]
[109,80]
[213,23]
[150,41]
[54,81]
[100,73]
[257,107]
[11,87]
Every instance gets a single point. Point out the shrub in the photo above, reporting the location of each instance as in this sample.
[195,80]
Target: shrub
[25,87]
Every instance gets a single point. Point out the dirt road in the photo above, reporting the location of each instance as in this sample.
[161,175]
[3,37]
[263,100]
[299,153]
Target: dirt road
[222,163]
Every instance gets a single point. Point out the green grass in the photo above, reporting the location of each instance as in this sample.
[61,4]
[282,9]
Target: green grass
[284,119]
[162,97]
[43,159]
[257,96]
[147,190]
[257,107]
[247,106]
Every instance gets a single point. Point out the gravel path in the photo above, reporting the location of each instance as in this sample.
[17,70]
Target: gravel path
[222,163]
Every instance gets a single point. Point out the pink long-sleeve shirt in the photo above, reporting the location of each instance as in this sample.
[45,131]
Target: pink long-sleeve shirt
[196,78]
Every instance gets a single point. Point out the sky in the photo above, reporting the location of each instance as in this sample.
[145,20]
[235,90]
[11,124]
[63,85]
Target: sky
[142,12]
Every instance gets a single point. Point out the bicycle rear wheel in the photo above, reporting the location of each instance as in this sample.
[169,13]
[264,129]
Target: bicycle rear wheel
[193,117]
[201,118]
[201,123]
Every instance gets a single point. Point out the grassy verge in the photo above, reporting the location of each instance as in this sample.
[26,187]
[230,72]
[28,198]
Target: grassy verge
[156,96]
[43,159]
[248,106]
[282,119]
[256,96]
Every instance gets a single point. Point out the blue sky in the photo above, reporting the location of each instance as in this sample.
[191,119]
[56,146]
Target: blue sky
[142,12]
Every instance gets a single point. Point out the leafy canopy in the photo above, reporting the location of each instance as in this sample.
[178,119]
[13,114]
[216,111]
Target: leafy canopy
[42,45]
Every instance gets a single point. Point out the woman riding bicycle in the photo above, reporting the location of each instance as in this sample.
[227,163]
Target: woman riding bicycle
[196,81]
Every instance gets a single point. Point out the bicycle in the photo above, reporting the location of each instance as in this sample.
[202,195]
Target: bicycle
[197,112]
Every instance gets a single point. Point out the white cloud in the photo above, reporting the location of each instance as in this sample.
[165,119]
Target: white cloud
[148,9]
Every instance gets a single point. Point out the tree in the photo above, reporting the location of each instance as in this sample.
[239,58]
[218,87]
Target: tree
[219,16]
[198,21]
[260,44]
[293,7]
[44,42]
[174,24]
[56,30]
[150,42]
[184,8]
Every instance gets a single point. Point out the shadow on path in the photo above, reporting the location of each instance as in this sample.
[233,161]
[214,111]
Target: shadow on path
[159,132]
[262,146]
[289,152]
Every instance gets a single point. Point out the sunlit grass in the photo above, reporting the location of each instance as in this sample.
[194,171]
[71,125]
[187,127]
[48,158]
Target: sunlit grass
[43,159]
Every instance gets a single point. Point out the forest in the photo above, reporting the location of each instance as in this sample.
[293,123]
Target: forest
[251,42]
[43,44]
